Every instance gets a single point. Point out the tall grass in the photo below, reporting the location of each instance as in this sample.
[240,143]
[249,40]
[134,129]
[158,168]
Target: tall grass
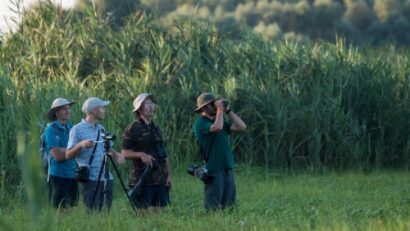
[314,106]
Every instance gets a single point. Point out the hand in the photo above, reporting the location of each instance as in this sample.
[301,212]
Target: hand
[86,144]
[218,104]
[120,158]
[117,156]
[169,183]
[147,159]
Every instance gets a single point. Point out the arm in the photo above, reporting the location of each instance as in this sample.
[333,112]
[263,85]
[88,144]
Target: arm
[117,156]
[53,145]
[73,152]
[132,155]
[218,125]
[58,153]
[74,145]
[130,148]
[237,122]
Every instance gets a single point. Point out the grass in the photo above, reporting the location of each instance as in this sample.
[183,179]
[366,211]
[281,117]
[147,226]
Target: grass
[266,201]
[317,107]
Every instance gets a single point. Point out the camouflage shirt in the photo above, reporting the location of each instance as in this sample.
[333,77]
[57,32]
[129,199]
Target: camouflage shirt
[142,137]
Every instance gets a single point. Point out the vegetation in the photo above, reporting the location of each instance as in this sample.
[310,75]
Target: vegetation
[359,21]
[318,106]
[266,201]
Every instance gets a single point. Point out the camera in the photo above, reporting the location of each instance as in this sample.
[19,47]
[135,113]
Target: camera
[200,172]
[225,103]
[107,136]
[82,174]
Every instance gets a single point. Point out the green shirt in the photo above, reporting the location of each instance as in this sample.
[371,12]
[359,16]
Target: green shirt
[220,154]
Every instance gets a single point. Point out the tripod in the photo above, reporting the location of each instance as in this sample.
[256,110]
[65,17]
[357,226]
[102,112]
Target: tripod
[106,167]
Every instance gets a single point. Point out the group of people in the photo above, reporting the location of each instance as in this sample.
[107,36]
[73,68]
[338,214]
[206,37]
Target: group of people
[73,147]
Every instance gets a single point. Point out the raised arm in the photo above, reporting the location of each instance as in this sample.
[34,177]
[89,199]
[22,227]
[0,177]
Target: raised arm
[237,122]
[218,125]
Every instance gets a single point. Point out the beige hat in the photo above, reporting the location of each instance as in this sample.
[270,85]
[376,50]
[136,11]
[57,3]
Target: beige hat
[140,99]
[59,102]
[92,103]
[203,100]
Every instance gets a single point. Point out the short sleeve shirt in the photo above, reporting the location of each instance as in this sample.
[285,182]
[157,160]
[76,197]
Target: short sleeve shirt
[56,136]
[220,152]
[86,131]
[142,137]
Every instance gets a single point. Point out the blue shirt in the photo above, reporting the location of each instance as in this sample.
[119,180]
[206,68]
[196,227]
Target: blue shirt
[85,131]
[56,136]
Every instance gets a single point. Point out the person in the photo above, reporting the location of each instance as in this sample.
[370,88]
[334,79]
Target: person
[85,145]
[143,144]
[61,172]
[212,133]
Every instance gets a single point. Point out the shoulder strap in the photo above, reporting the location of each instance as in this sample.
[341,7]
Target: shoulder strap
[95,147]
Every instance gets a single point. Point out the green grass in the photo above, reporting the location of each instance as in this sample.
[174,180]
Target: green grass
[266,201]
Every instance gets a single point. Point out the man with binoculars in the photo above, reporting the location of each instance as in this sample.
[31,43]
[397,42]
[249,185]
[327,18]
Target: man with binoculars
[212,133]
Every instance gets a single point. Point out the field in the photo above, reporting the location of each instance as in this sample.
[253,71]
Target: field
[327,143]
[266,201]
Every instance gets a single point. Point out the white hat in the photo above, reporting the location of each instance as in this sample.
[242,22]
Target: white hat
[138,101]
[59,102]
[92,103]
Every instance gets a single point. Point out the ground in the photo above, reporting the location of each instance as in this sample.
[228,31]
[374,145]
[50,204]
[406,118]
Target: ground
[267,200]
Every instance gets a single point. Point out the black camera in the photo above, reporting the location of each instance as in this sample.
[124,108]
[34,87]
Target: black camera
[225,103]
[82,174]
[200,172]
[107,136]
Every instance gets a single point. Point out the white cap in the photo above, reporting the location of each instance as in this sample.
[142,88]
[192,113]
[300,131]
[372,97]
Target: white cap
[59,102]
[92,103]
[138,101]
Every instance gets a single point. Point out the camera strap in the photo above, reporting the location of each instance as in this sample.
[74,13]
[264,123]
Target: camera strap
[95,148]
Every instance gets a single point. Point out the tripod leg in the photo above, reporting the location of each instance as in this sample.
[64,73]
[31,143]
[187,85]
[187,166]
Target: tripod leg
[123,185]
[98,183]
[104,192]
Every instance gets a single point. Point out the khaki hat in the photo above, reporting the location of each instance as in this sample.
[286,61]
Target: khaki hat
[203,100]
[140,99]
[92,103]
[59,102]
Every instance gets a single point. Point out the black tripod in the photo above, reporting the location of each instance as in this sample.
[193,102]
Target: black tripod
[106,166]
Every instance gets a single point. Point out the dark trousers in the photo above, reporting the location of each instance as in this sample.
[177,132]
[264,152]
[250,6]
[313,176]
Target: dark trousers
[104,197]
[220,192]
[152,195]
[63,192]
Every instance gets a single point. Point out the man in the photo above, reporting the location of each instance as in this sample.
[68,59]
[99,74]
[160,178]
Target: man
[85,145]
[212,133]
[143,143]
[61,173]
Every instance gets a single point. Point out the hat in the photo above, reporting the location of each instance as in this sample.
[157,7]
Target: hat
[59,102]
[138,101]
[92,103]
[203,100]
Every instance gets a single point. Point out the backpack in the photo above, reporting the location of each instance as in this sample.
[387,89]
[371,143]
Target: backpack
[45,154]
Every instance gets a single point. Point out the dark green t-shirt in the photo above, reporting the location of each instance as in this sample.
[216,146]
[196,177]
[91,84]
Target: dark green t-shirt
[220,154]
